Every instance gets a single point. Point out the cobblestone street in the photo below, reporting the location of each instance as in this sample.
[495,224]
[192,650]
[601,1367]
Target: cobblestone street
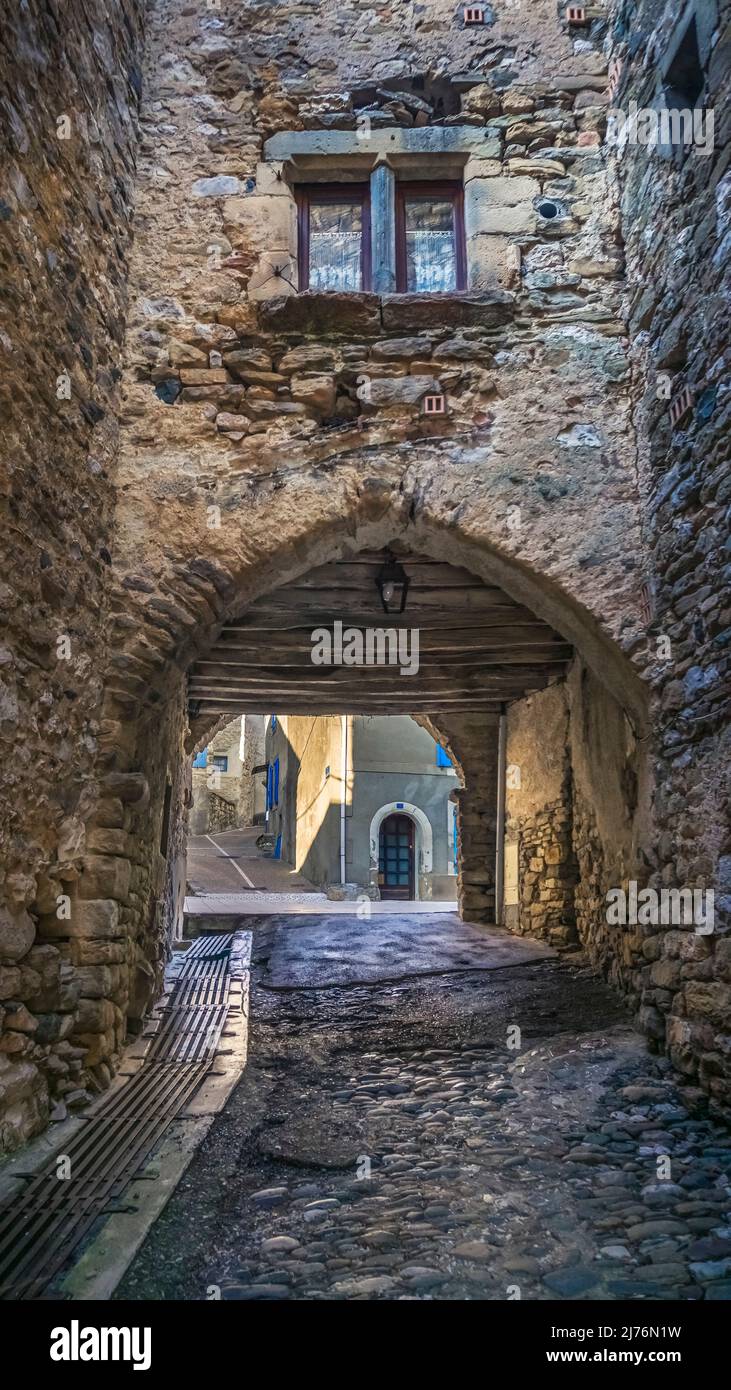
[386,1143]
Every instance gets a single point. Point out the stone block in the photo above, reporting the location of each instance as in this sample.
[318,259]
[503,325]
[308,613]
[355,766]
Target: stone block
[405,348]
[708,1000]
[110,813]
[241,317]
[487,309]
[482,100]
[483,196]
[20,1020]
[130,787]
[665,974]
[247,359]
[204,376]
[105,877]
[97,918]
[262,223]
[309,357]
[477,168]
[185,354]
[424,140]
[108,841]
[9,981]
[53,1027]
[506,221]
[98,1047]
[489,262]
[95,1016]
[84,950]
[316,391]
[400,391]
[269,181]
[273,410]
[226,421]
[218,186]
[537,168]
[99,981]
[71,838]
[23,1103]
[347,314]
[17,934]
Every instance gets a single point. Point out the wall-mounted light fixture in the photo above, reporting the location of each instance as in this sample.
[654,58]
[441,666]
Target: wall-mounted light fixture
[393,585]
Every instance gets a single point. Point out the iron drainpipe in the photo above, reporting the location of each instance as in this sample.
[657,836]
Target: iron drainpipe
[343,790]
[500,818]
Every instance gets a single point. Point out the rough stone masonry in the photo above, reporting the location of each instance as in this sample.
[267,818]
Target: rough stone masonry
[185,429]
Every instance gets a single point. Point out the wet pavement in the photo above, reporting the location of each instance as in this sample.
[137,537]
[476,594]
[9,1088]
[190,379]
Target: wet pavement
[491,1130]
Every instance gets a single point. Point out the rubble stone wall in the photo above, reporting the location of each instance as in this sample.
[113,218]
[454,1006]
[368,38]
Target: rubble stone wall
[248,432]
[69,94]
[539,818]
[264,432]
[676,216]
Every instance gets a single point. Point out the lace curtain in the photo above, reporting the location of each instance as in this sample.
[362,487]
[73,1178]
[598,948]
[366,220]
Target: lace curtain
[431,257]
[336,234]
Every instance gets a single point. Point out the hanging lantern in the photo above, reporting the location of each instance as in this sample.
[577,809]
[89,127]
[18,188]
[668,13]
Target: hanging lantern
[393,585]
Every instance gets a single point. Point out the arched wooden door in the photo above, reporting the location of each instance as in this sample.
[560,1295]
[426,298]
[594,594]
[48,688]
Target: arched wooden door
[396,857]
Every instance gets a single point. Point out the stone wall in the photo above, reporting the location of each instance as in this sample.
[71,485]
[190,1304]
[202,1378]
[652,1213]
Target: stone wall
[265,432]
[307,814]
[612,833]
[578,802]
[243,417]
[252,793]
[69,91]
[217,794]
[472,744]
[677,310]
[539,817]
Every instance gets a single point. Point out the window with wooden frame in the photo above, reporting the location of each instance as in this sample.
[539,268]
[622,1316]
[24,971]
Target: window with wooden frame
[334,236]
[430,242]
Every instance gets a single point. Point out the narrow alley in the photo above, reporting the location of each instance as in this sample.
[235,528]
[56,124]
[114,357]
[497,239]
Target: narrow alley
[385,1142]
[365,867]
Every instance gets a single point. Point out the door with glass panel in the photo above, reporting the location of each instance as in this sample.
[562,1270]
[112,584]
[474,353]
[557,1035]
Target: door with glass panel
[396,857]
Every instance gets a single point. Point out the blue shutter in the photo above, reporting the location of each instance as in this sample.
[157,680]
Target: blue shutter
[270,783]
[442,759]
[276,782]
[201,759]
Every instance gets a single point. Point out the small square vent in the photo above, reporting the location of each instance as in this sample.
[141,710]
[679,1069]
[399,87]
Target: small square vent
[576,14]
[435,405]
[680,406]
[474,14]
[614,77]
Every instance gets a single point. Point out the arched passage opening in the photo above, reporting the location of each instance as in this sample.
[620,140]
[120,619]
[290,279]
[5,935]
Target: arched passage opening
[494,636]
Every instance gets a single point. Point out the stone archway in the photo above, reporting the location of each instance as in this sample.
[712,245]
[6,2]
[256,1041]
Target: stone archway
[172,601]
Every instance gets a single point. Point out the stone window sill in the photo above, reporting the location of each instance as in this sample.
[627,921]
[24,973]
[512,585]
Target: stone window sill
[348,314]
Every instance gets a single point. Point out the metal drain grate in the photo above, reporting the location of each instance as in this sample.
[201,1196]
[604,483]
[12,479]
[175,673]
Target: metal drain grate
[40,1229]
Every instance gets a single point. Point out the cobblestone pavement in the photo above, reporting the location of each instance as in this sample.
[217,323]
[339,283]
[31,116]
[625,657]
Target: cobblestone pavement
[386,1143]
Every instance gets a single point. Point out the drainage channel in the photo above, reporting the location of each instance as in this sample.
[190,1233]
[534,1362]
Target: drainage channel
[40,1229]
